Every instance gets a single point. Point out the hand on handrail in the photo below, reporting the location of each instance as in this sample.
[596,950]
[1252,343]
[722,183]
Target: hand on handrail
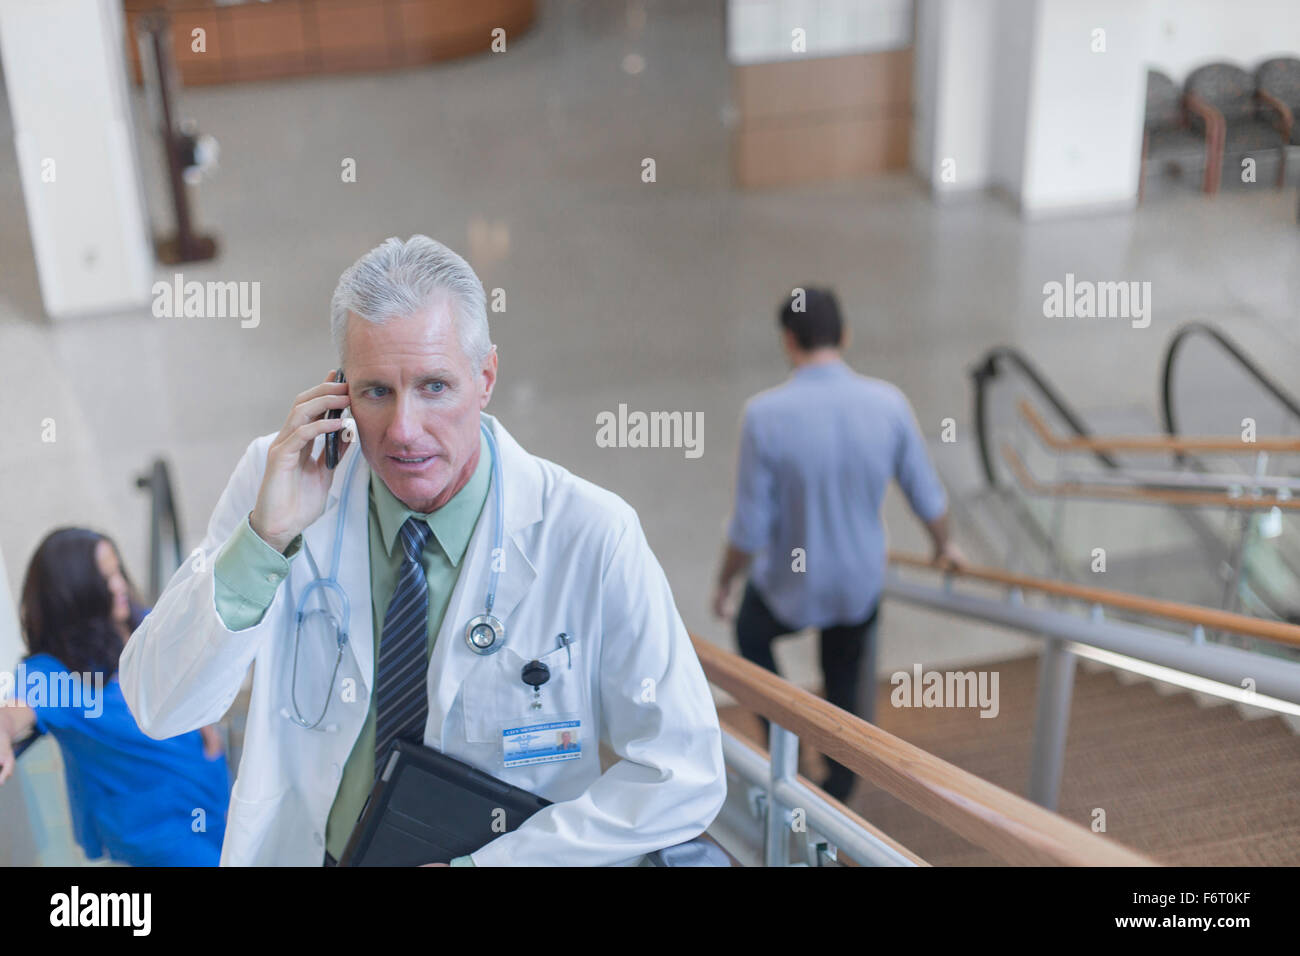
[722,608]
[949,558]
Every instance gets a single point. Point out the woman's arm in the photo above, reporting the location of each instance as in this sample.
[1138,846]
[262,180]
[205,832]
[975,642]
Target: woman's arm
[212,744]
[16,720]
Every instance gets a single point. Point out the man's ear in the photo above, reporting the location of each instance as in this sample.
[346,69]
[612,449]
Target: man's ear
[789,342]
[488,378]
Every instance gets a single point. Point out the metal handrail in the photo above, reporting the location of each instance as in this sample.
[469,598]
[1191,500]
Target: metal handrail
[1194,614]
[852,836]
[1188,660]
[1134,493]
[1011,827]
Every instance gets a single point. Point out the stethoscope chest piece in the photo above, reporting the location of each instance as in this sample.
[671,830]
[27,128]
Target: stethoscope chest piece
[485,634]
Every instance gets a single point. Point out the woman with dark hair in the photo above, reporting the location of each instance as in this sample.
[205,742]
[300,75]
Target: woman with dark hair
[146,802]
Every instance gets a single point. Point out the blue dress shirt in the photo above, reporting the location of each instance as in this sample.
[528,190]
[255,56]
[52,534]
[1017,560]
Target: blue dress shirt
[817,454]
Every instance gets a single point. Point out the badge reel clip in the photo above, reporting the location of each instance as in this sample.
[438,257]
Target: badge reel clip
[537,737]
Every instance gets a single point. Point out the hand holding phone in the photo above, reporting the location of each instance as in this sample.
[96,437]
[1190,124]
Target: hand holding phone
[295,486]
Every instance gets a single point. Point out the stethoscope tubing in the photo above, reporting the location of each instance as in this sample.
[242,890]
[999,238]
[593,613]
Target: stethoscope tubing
[331,583]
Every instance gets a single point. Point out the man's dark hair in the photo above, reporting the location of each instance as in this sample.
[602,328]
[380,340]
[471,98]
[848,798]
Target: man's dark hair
[818,324]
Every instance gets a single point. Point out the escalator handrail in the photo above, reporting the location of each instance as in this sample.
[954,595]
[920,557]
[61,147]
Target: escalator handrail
[162,509]
[986,369]
[1232,348]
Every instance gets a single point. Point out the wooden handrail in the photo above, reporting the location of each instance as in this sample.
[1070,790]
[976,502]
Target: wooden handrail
[1159,496]
[847,811]
[1154,443]
[1208,617]
[1009,826]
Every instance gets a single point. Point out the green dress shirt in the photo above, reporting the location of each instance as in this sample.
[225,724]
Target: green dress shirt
[248,571]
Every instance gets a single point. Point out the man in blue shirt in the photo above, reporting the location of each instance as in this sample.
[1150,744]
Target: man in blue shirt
[817,454]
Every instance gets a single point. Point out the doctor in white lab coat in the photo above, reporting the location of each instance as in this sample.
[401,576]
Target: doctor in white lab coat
[411,327]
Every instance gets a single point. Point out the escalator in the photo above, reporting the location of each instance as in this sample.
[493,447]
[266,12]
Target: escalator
[1230,558]
[1241,390]
[1156,550]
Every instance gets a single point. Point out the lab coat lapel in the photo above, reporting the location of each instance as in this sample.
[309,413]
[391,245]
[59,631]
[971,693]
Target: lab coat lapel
[354,559]
[452,657]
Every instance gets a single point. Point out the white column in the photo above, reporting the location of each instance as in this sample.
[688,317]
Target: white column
[65,69]
[1088,96]
[1041,99]
[957,45]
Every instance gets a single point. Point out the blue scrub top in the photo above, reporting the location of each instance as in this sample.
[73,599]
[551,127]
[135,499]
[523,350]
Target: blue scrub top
[131,795]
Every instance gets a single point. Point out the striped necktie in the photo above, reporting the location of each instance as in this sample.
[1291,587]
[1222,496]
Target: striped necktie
[402,702]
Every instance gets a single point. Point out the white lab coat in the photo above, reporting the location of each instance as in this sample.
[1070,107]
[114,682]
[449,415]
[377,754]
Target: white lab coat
[576,561]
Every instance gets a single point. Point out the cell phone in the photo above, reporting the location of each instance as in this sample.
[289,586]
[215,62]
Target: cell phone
[332,438]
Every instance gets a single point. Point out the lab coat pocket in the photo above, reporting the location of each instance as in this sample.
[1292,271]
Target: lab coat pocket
[249,824]
[494,692]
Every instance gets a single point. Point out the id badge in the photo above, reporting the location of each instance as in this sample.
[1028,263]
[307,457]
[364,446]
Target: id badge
[541,740]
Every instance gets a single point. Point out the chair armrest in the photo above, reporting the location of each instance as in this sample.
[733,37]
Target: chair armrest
[1215,134]
[1211,119]
[1279,111]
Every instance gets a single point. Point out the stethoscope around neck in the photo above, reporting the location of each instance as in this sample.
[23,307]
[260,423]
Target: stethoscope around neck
[484,634]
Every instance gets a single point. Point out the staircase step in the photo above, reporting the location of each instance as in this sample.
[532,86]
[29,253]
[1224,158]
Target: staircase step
[1181,781]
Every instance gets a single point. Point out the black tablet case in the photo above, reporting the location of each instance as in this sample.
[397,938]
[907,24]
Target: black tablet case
[428,807]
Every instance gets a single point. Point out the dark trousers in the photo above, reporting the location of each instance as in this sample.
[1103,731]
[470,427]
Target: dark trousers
[847,650]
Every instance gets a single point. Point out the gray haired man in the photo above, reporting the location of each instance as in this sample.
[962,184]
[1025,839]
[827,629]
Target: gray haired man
[435,518]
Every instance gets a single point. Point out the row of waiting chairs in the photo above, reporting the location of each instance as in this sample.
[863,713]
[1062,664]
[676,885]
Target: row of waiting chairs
[1222,111]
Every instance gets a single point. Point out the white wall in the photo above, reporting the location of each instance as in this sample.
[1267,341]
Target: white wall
[955,80]
[925,75]
[971,79]
[1084,133]
[1022,101]
[1189,33]
[759,31]
[65,70]
[1015,25]
[1014,92]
